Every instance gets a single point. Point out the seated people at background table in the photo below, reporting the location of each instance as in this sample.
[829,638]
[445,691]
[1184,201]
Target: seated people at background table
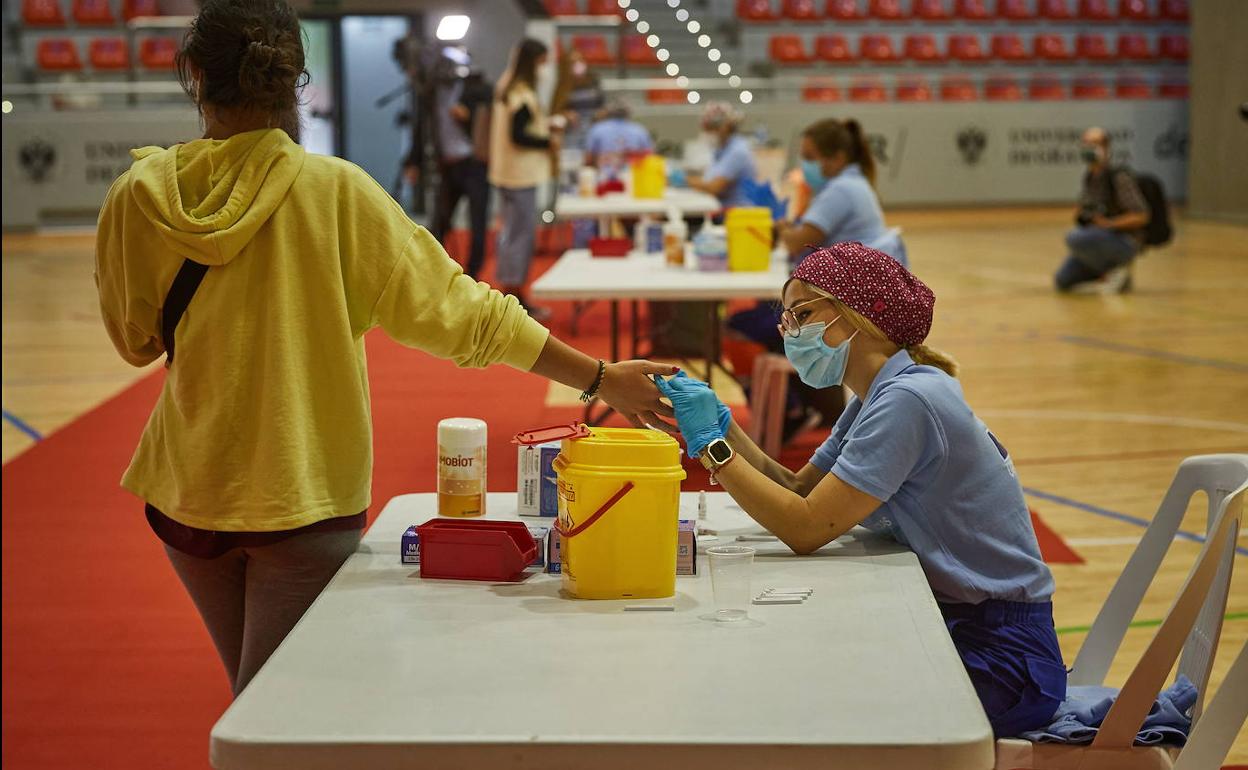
[256,463]
[1110,220]
[733,160]
[908,459]
[614,139]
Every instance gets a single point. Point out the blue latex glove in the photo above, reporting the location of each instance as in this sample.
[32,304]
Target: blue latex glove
[699,413]
[676,177]
[763,194]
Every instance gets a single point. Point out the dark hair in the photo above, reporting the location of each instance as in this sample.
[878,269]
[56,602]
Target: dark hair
[524,68]
[249,54]
[831,136]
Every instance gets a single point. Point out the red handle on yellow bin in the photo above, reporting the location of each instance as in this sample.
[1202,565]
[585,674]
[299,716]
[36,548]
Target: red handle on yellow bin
[608,505]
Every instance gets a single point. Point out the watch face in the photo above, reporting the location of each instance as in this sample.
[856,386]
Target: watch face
[719,451]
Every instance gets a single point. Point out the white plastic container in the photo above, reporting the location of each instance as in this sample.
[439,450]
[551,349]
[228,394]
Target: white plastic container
[587,182]
[675,233]
[461,467]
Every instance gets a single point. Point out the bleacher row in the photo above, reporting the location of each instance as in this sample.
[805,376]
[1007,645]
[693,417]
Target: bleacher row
[85,13]
[87,20]
[104,54]
[922,10]
[960,88]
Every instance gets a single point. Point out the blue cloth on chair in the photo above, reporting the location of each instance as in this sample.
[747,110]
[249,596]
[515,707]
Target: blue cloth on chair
[1079,717]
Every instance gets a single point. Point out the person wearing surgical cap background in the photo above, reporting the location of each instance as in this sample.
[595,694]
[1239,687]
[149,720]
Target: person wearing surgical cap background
[908,459]
[733,160]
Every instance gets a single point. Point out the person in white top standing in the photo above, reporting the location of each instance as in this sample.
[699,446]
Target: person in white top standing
[521,145]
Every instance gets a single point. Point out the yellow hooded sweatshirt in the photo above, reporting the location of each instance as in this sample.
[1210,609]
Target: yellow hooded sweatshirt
[264,422]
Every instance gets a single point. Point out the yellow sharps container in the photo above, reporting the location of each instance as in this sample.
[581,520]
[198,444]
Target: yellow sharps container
[619,507]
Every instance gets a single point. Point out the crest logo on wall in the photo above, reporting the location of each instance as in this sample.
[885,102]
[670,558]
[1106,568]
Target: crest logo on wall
[37,158]
[971,144]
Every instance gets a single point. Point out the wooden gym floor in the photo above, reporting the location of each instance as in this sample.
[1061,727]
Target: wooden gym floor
[1098,398]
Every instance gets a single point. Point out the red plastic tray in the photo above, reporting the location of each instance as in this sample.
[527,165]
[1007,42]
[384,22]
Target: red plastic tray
[610,247]
[475,549]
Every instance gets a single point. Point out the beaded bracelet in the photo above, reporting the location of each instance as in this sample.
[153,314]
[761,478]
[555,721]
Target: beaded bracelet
[592,390]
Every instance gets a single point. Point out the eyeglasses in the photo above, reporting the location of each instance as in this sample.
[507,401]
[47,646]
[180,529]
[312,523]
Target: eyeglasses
[790,326]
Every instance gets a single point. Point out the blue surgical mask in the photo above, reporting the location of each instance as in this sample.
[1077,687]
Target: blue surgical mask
[818,364]
[813,173]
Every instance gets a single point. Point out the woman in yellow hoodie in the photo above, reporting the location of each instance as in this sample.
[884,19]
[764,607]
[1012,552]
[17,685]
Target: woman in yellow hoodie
[256,462]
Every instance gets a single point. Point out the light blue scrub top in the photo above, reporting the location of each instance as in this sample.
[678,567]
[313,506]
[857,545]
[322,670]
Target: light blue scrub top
[847,209]
[733,162]
[949,489]
[612,139]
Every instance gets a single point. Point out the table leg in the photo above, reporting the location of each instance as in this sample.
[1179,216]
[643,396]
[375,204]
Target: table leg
[712,339]
[636,324]
[615,330]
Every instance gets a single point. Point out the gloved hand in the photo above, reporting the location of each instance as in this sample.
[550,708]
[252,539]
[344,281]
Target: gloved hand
[701,416]
[763,194]
[676,177]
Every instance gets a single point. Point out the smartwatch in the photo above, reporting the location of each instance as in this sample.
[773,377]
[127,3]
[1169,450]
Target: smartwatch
[716,455]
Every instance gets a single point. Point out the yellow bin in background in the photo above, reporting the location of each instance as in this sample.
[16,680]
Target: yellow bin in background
[649,177]
[749,238]
[619,507]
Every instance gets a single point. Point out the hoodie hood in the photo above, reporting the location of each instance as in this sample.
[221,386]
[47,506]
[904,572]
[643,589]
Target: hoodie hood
[207,198]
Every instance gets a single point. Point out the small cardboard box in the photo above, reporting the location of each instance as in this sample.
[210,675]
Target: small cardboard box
[535,480]
[554,557]
[540,534]
[409,547]
[687,548]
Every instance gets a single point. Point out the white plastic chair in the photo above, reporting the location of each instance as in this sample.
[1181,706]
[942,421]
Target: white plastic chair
[1191,627]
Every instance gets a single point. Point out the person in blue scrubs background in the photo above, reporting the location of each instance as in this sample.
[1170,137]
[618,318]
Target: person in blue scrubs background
[733,160]
[908,459]
[612,140]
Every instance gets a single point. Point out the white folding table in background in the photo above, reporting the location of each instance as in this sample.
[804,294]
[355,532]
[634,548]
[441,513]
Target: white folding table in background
[687,202]
[388,671]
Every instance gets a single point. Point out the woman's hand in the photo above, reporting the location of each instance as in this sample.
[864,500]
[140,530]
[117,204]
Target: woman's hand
[627,388]
[702,417]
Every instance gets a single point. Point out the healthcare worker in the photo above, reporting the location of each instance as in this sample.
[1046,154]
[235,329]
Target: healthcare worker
[838,166]
[732,162]
[907,459]
[615,139]
[256,463]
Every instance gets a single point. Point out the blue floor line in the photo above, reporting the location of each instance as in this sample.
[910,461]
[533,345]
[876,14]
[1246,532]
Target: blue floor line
[21,425]
[1137,521]
[1163,355]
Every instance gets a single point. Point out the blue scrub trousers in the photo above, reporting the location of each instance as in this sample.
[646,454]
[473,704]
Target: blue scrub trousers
[1011,653]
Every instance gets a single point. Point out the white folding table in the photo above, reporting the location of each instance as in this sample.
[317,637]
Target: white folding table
[388,671]
[686,201]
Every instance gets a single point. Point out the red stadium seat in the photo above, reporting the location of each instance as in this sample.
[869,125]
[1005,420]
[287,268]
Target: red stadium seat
[877,48]
[667,96]
[1132,87]
[1055,10]
[57,54]
[594,48]
[867,91]
[1134,10]
[887,10]
[967,48]
[157,53]
[603,8]
[1014,10]
[1045,88]
[42,13]
[132,9]
[828,93]
[1009,48]
[1092,48]
[756,10]
[1174,90]
[801,10]
[1173,47]
[563,7]
[1002,89]
[788,49]
[922,48]
[913,89]
[637,52]
[96,13]
[971,10]
[834,49]
[1134,48]
[958,89]
[1090,87]
[109,53]
[844,10]
[1172,10]
[1051,48]
[1095,10]
[930,10]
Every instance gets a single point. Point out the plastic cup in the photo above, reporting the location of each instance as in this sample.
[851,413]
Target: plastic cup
[730,581]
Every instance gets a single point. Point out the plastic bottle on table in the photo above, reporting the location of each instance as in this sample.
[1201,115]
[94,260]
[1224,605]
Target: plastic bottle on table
[675,233]
[461,467]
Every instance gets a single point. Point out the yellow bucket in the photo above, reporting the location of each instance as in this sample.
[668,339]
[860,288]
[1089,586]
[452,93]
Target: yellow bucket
[649,177]
[749,238]
[619,507]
